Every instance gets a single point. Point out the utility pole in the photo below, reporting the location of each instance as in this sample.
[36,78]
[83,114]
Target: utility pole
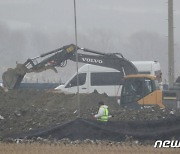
[170,44]
[75,27]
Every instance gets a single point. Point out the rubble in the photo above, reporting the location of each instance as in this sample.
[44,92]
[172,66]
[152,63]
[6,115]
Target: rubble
[1,117]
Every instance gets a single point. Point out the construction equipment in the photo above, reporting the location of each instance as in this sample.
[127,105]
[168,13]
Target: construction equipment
[130,95]
[12,78]
[141,90]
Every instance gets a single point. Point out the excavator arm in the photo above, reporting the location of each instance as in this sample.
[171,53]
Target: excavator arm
[112,60]
[12,78]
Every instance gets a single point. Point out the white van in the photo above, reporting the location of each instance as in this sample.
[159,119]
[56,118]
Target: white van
[103,79]
[91,78]
[149,67]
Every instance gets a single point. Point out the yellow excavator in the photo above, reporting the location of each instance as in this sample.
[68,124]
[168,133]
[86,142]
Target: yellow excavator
[141,90]
[12,78]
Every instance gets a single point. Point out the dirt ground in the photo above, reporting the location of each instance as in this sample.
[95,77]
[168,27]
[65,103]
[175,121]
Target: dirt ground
[85,148]
[23,110]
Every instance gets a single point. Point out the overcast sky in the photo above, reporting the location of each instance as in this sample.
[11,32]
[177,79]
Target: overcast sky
[116,19]
[127,16]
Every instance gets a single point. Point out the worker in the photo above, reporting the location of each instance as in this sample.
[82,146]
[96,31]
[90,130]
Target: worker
[103,113]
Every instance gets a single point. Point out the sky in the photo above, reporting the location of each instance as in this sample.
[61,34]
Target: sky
[132,27]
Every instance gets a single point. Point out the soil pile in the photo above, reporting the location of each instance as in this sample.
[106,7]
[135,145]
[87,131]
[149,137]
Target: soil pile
[23,110]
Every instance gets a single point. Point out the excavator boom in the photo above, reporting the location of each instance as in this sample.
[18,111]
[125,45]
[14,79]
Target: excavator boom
[12,78]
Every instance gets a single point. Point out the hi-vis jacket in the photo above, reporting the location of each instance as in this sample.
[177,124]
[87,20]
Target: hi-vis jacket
[103,113]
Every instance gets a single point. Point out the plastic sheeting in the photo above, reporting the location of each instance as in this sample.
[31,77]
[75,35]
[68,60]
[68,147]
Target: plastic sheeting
[81,129]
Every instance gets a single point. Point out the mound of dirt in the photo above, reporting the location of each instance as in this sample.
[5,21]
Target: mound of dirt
[23,110]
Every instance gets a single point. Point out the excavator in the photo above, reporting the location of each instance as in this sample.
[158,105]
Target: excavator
[139,90]
[12,78]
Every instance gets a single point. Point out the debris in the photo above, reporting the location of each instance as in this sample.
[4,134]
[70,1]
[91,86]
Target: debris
[18,141]
[17,113]
[1,117]
[75,111]
[172,112]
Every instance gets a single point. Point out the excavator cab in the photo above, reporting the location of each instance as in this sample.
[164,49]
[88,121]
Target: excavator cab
[140,90]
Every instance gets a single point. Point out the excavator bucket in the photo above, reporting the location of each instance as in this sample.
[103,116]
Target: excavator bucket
[12,77]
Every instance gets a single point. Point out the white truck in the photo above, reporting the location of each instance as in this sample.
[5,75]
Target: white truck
[104,79]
